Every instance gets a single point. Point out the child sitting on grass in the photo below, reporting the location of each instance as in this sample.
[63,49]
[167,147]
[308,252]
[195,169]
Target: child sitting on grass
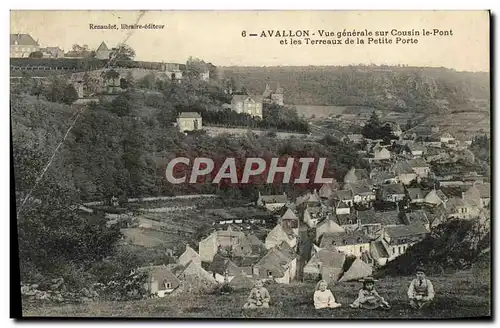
[323,297]
[421,291]
[368,298]
[259,297]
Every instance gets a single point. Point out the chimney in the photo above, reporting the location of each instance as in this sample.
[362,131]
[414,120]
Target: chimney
[463,195]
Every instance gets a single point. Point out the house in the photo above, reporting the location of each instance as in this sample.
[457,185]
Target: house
[435,198]
[348,222]
[189,121]
[400,237]
[247,104]
[279,265]
[189,255]
[344,196]
[368,223]
[327,190]
[379,251]
[52,52]
[381,176]
[309,199]
[223,269]
[479,194]
[328,258]
[289,220]
[22,45]
[272,202]
[161,280]
[381,153]
[223,241]
[392,192]
[241,281]
[350,243]
[362,192]
[342,208]
[415,195]
[418,216]
[355,138]
[417,150]
[383,218]
[312,215]
[446,138]
[461,209]
[420,167]
[355,175]
[358,270]
[195,278]
[328,225]
[275,97]
[278,235]
[103,52]
[404,172]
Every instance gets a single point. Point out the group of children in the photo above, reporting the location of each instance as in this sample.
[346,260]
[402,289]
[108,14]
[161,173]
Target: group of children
[420,294]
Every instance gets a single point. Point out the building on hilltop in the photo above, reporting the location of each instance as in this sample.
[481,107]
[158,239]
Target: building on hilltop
[103,52]
[273,97]
[189,121]
[22,45]
[247,104]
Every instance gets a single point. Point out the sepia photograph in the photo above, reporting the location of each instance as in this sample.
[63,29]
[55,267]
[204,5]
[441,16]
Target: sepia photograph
[211,164]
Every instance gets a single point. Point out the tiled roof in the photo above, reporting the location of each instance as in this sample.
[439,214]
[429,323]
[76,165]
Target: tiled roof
[416,216]
[189,115]
[22,40]
[405,230]
[415,193]
[344,238]
[393,189]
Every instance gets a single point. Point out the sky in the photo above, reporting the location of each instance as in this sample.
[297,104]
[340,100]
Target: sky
[216,36]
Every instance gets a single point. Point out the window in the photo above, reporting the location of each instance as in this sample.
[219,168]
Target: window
[269,274]
[168,285]
[361,249]
[400,249]
[394,250]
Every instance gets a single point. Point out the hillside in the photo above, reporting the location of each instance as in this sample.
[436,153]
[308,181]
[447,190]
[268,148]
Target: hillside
[428,90]
[459,295]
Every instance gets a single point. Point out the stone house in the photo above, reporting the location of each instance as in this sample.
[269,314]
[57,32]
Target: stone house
[392,192]
[103,52]
[279,265]
[280,234]
[350,243]
[161,280]
[400,238]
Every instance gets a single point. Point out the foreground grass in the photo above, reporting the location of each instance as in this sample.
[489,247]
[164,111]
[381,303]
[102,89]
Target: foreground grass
[459,295]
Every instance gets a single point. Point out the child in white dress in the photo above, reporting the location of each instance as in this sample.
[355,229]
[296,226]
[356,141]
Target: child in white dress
[323,297]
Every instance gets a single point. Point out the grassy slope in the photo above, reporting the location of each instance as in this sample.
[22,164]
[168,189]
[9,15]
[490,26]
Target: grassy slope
[463,294]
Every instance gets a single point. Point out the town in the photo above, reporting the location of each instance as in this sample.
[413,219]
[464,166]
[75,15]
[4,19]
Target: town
[411,177]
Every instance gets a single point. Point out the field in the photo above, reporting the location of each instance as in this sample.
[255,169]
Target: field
[319,111]
[458,295]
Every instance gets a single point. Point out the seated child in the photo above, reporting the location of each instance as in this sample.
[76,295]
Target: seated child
[368,298]
[259,297]
[421,291]
[323,297]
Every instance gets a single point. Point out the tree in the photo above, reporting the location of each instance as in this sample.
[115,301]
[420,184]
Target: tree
[70,95]
[195,67]
[36,54]
[123,52]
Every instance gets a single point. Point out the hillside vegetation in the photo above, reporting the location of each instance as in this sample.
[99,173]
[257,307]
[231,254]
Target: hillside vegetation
[458,295]
[427,90]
